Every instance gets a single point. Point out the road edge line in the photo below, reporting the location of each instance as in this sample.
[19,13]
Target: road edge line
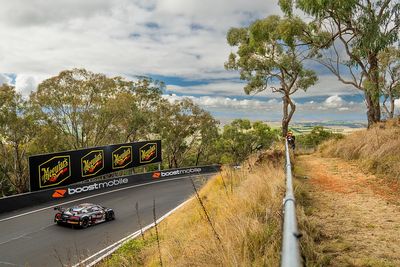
[113,247]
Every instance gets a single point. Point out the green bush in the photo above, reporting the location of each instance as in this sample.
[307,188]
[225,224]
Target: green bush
[316,137]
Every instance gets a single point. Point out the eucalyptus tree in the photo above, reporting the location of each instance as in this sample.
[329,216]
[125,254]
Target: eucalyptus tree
[17,129]
[184,128]
[348,36]
[73,104]
[235,142]
[270,56]
[134,111]
[207,136]
[241,138]
[389,68]
[146,96]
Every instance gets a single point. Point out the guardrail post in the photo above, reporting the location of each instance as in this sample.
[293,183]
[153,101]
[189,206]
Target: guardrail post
[290,256]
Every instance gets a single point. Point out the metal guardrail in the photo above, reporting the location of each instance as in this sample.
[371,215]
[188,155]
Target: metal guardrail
[290,256]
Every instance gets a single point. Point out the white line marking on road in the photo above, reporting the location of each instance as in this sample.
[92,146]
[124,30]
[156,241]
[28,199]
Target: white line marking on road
[99,194]
[8,263]
[113,247]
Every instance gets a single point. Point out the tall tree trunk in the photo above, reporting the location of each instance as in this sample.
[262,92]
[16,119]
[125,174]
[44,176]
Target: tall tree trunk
[285,122]
[169,161]
[389,110]
[385,108]
[175,162]
[198,157]
[20,180]
[392,105]
[287,114]
[372,94]
[373,108]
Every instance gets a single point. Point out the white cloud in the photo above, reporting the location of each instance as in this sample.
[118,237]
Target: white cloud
[333,104]
[273,101]
[332,108]
[219,88]
[183,38]
[226,102]
[334,101]
[180,38]
[25,84]
[4,79]
[328,85]
[42,12]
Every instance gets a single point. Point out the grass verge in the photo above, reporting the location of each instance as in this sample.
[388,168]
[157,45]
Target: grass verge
[311,251]
[377,150]
[244,208]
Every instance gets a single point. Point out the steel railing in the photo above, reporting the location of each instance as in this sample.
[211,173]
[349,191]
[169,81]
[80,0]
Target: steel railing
[290,237]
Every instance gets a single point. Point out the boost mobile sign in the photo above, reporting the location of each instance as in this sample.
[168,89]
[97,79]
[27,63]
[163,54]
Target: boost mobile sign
[159,174]
[97,186]
[69,191]
[65,168]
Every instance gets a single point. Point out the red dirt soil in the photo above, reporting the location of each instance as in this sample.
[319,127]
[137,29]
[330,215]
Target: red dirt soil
[358,213]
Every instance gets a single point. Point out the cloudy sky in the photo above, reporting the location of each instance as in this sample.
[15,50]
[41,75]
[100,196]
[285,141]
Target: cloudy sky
[180,42]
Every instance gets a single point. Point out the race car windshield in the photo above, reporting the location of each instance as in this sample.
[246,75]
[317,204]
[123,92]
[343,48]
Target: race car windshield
[75,209]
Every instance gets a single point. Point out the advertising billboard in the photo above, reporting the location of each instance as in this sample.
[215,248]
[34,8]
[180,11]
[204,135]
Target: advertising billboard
[68,167]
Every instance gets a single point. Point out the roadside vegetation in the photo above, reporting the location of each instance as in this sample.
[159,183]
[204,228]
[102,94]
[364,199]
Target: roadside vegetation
[243,229]
[348,198]
[307,143]
[377,150]
[234,200]
[244,207]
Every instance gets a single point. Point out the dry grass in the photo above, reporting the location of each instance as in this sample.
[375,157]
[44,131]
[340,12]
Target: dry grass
[244,207]
[345,221]
[312,234]
[349,217]
[376,149]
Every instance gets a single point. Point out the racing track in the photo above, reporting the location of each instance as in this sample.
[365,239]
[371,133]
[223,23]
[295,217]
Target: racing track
[34,240]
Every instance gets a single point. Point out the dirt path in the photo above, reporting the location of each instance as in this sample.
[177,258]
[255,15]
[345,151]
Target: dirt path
[358,214]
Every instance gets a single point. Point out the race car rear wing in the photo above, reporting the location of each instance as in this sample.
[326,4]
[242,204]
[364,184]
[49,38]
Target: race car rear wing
[59,208]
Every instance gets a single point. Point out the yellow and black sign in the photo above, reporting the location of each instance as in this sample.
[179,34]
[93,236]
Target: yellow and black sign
[65,168]
[54,171]
[121,157]
[148,153]
[92,163]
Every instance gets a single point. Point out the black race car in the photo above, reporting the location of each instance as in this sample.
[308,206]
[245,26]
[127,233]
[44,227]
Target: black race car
[83,215]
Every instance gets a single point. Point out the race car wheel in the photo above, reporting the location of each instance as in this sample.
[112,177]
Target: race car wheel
[85,222]
[110,216]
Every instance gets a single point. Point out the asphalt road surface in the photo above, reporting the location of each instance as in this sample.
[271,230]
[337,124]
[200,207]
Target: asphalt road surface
[35,240]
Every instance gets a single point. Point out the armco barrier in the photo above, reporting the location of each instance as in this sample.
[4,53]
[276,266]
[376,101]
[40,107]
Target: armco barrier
[290,256]
[20,201]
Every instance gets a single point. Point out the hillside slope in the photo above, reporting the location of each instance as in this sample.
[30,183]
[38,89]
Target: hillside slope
[352,218]
[350,201]
[376,150]
[243,229]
